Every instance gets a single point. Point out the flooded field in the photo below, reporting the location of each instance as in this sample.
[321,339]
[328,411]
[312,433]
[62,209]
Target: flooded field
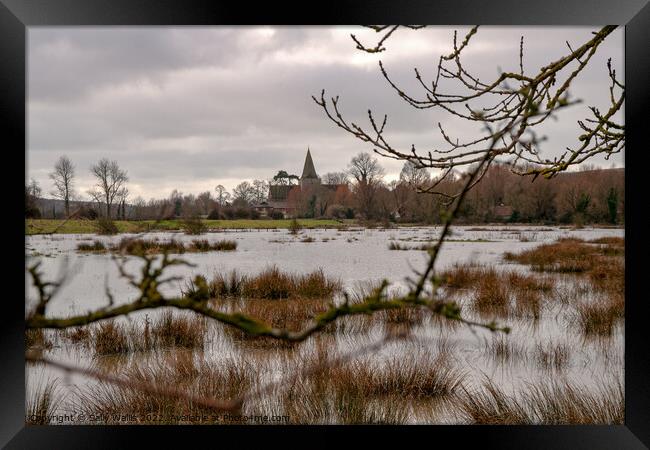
[444,372]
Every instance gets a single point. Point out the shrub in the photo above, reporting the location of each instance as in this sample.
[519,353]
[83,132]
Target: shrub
[276,215]
[294,226]
[87,213]
[105,225]
[215,214]
[193,225]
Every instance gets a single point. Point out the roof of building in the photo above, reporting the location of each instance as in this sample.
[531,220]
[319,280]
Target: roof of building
[308,170]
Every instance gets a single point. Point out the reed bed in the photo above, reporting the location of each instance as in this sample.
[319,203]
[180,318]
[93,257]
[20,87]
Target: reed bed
[154,246]
[42,400]
[551,403]
[273,284]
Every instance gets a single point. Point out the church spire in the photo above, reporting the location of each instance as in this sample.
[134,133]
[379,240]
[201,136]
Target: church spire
[308,171]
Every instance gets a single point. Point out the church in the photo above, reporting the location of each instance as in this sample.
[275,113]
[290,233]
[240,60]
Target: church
[286,198]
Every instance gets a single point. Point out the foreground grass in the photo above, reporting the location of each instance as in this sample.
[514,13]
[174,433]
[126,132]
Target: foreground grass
[551,403]
[79,226]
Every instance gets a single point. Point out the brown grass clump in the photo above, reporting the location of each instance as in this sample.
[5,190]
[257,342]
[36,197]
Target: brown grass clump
[96,246]
[41,402]
[292,314]
[170,330]
[227,286]
[599,316]
[415,376]
[78,334]
[608,274]
[202,245]
[459,276]
[270,284]
[551,403]
[132,246]
[552,355]
[491,406]
[35,337]
[558,403]
[609,240]
[567,255]
[224,380]
[273,284]
[109,338]
[492,296]
[504,349]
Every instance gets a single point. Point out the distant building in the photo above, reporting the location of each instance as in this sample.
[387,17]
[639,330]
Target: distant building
[282,196]
[502,212]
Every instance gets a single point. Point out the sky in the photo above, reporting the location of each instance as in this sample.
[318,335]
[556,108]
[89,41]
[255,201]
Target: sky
[189,108]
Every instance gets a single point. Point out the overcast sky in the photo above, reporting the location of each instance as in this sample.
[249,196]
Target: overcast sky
[189,108]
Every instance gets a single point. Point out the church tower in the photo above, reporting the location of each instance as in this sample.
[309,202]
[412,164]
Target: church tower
[309,177]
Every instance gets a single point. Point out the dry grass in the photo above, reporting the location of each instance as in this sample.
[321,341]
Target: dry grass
[169,330]
[505,349]
[567,255]
[608,274]
[96,247]
[42,399]
[599,316]
[609,240]
[492,296]
[365,391]
[550,403]
[203,245]
[110,338]
[78,334]
[132,246]
[224,380]
[274,284]
[552,355]
[292,314]
[36,338]
[397,246]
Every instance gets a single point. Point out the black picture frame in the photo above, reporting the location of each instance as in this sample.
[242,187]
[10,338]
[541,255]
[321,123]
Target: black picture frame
[16,15]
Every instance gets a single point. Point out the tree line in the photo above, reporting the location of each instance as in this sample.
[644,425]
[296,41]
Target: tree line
[360,191]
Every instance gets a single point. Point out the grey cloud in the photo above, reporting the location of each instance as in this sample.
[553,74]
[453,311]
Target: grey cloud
[211,104]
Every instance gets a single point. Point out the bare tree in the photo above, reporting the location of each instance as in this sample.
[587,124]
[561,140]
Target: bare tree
[261,190]
[110,183]
[205,202]
[367,173]
[414,175]
[63,179]
[510,107]
[33,188]
[222,195]
[244,192]
[335,178]
[504,135]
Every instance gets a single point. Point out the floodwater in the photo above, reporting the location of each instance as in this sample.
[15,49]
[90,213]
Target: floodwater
[357,257]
